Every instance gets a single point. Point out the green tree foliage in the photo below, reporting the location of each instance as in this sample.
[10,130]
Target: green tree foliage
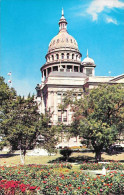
[98,115]
[7,96]
[21,124]
[47,132]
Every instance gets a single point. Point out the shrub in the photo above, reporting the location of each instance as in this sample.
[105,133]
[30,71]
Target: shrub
[66,152]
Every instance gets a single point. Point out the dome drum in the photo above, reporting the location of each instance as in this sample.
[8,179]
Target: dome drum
[63,56]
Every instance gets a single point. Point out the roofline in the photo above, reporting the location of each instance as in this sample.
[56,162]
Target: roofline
[118,77]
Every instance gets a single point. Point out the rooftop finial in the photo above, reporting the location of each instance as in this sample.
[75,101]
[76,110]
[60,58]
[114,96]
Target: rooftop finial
[87,52]
[62,12]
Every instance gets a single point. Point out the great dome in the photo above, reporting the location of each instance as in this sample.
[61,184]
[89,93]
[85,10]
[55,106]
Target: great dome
[63,40]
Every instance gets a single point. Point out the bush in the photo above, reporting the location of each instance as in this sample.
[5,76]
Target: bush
[66,152]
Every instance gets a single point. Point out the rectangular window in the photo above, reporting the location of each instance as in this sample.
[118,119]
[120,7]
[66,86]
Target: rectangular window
[89,71]
[55,68]
[59,98]
[79,96]
[64,116]
[59,116]
[75,68]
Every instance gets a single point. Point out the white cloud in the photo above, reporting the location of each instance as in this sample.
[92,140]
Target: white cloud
[111,20]
[97,6]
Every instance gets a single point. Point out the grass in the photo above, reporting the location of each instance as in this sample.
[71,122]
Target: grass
[75,158]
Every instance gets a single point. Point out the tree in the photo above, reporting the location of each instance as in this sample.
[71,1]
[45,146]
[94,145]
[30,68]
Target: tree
[22,124]
[7,95]
[98,115]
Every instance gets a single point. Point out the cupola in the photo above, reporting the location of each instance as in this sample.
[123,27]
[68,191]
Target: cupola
[88,66]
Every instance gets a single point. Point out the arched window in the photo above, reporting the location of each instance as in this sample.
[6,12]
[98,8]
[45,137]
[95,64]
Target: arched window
[62,56]
[72,56]
[57,56]
[67,55]
[52,57]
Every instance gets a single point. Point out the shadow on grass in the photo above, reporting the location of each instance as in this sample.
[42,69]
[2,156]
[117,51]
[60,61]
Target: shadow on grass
[8,155]
[81,159]
[77,159]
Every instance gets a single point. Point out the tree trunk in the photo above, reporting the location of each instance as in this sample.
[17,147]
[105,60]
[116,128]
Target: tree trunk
[22,157]
[97,155]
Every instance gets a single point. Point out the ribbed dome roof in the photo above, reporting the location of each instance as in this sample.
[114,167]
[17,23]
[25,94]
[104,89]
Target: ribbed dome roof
[88,60]
[63,40]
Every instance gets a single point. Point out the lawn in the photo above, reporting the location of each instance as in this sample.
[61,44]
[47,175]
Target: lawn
[76,157]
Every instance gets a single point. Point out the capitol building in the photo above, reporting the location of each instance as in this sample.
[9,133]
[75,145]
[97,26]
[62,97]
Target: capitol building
[65,70]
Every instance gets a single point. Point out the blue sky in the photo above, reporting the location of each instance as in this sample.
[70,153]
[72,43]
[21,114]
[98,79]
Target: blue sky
[27,27]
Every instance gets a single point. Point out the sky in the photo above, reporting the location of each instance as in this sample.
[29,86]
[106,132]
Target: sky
[27,27]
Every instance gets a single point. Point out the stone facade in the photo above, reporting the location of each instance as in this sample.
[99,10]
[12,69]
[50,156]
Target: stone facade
[65,71]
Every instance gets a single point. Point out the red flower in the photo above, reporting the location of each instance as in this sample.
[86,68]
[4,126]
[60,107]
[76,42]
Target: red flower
[57,188]
[32,187]
[79,188]
[23,189]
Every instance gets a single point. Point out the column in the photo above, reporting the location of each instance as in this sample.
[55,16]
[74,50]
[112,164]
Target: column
[46,72]
[55,118]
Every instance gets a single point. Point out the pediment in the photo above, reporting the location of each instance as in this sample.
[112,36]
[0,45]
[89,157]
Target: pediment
[118,79]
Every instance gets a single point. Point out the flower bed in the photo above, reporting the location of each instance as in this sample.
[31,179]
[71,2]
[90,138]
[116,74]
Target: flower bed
[97,166]
[43,179]
[16,187]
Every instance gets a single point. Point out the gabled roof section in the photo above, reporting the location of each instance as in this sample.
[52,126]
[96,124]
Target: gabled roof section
[118,79]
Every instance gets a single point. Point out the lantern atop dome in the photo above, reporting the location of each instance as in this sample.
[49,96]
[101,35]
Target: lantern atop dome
[62,22]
